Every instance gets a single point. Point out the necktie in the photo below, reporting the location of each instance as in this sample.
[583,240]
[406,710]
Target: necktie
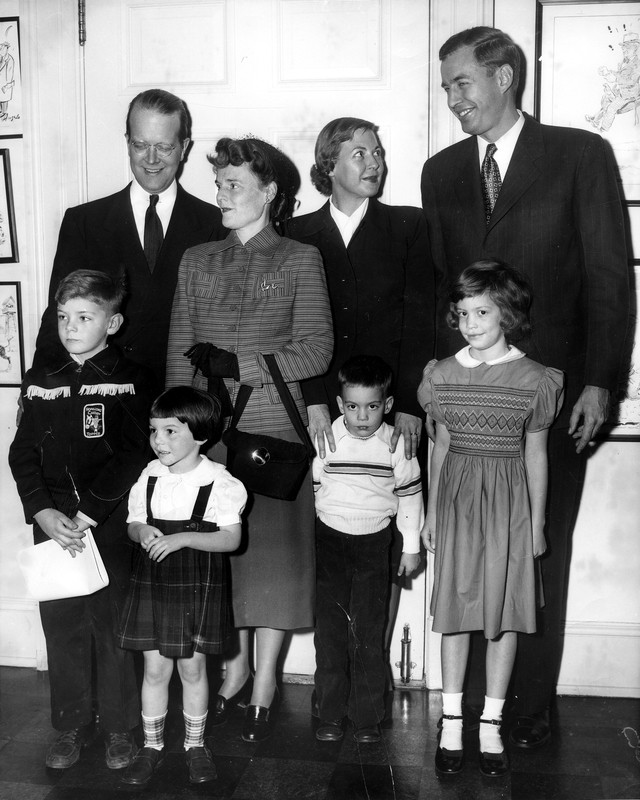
[153,235]
[491,182]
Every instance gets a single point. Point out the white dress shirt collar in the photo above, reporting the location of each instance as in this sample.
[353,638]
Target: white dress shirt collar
[348,225]
[140,204]
[505,146]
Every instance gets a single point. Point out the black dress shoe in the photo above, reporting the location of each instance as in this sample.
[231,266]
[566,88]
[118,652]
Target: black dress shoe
[449,762]
[65,751]
[530,732]
[120,749]
[145,762]
[201,766]
[225,706]
[367,734]
[494,765]
[257,724]
[329,730]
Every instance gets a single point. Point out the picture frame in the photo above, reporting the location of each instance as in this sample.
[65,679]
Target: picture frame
[11,336]
[588,76]
[8,236]
[10,79]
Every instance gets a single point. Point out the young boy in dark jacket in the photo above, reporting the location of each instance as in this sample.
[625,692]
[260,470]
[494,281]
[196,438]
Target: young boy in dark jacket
[81,444]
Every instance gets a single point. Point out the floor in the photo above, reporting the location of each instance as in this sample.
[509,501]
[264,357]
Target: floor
[593,755]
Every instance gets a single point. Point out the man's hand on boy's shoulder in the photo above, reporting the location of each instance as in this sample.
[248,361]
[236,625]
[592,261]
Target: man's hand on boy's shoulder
[409,563]
[61,529]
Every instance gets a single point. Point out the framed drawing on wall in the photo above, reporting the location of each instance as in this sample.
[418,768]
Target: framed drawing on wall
[8,238]
[11,346]
[588,64]
[10,78]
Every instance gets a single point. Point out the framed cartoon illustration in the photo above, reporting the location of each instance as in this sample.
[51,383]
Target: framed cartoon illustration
[11,345]
[10,78]
[589,77]
[8,238]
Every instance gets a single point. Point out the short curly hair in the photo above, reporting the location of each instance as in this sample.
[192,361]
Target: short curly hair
[330,140]
[506,286]
[268,164]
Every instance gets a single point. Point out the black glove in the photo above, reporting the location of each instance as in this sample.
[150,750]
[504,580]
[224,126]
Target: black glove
[213,362]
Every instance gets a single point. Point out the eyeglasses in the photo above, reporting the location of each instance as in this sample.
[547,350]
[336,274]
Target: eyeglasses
[163,150]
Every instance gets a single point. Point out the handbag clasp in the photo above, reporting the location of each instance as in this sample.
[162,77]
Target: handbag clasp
[260,455]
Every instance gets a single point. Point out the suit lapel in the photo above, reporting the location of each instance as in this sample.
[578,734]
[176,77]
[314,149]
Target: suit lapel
[120,226]
[522,170]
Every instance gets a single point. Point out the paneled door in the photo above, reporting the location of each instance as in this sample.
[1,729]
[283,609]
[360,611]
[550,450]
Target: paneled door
[279,69]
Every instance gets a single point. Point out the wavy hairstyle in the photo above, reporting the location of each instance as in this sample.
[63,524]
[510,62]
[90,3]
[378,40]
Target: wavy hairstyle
[506,286]
[268,164]
[328,144]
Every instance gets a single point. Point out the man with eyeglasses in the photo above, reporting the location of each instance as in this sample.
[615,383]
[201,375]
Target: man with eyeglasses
[144,229]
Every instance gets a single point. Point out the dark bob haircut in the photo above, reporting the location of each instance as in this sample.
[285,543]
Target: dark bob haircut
[491,48]
[369,371]
[162,103]
[107,291]
[506,286]
[197,409]
[330,140]
[268,164]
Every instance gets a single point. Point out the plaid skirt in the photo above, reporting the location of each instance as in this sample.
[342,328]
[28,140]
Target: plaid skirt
[181,604]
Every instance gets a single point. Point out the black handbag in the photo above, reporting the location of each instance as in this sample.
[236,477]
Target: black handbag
[265,464]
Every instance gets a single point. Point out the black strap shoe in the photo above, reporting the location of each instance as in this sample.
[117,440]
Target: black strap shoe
[494,765]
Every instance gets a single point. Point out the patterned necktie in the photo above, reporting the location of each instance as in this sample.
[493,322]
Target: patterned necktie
[491,182]
[153,235]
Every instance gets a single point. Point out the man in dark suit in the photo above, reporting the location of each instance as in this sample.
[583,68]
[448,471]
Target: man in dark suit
[558,219]
[132,230]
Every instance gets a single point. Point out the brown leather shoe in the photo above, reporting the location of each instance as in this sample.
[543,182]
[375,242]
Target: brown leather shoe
[65,751]
[143,766]
[120,749]
[201,766]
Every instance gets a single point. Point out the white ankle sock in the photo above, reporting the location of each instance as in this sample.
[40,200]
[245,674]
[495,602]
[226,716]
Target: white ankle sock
[490,740]
[451,738]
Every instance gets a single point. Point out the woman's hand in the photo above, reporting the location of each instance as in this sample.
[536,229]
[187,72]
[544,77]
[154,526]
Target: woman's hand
[320,427]
[539,542]
[410,427]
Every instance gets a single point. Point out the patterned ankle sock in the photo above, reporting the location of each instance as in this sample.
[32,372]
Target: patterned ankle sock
[194,730]
[153,728]
[451,738]
[490,740]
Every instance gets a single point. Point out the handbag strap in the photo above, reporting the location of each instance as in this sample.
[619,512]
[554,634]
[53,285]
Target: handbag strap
[287,401]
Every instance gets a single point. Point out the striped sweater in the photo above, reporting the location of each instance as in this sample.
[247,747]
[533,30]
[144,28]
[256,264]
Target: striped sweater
[362,485]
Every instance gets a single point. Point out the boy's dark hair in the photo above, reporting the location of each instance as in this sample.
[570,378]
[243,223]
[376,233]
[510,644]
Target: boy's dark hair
[161,102]
[197,409]
[101,288]
[328,144]
[491,49]
[268,164]
[369,371]
[506,286]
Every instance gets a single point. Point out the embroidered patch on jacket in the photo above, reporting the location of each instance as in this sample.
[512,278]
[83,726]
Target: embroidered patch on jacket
[94,420]
[107,389]
[274,284]
[48,394]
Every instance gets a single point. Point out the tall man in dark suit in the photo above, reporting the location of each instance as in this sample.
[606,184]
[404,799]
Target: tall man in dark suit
[144,229]
[557,217]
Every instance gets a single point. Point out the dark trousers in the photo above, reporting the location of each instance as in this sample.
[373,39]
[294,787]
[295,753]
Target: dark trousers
[537,665]
[73,627]
[352,582]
